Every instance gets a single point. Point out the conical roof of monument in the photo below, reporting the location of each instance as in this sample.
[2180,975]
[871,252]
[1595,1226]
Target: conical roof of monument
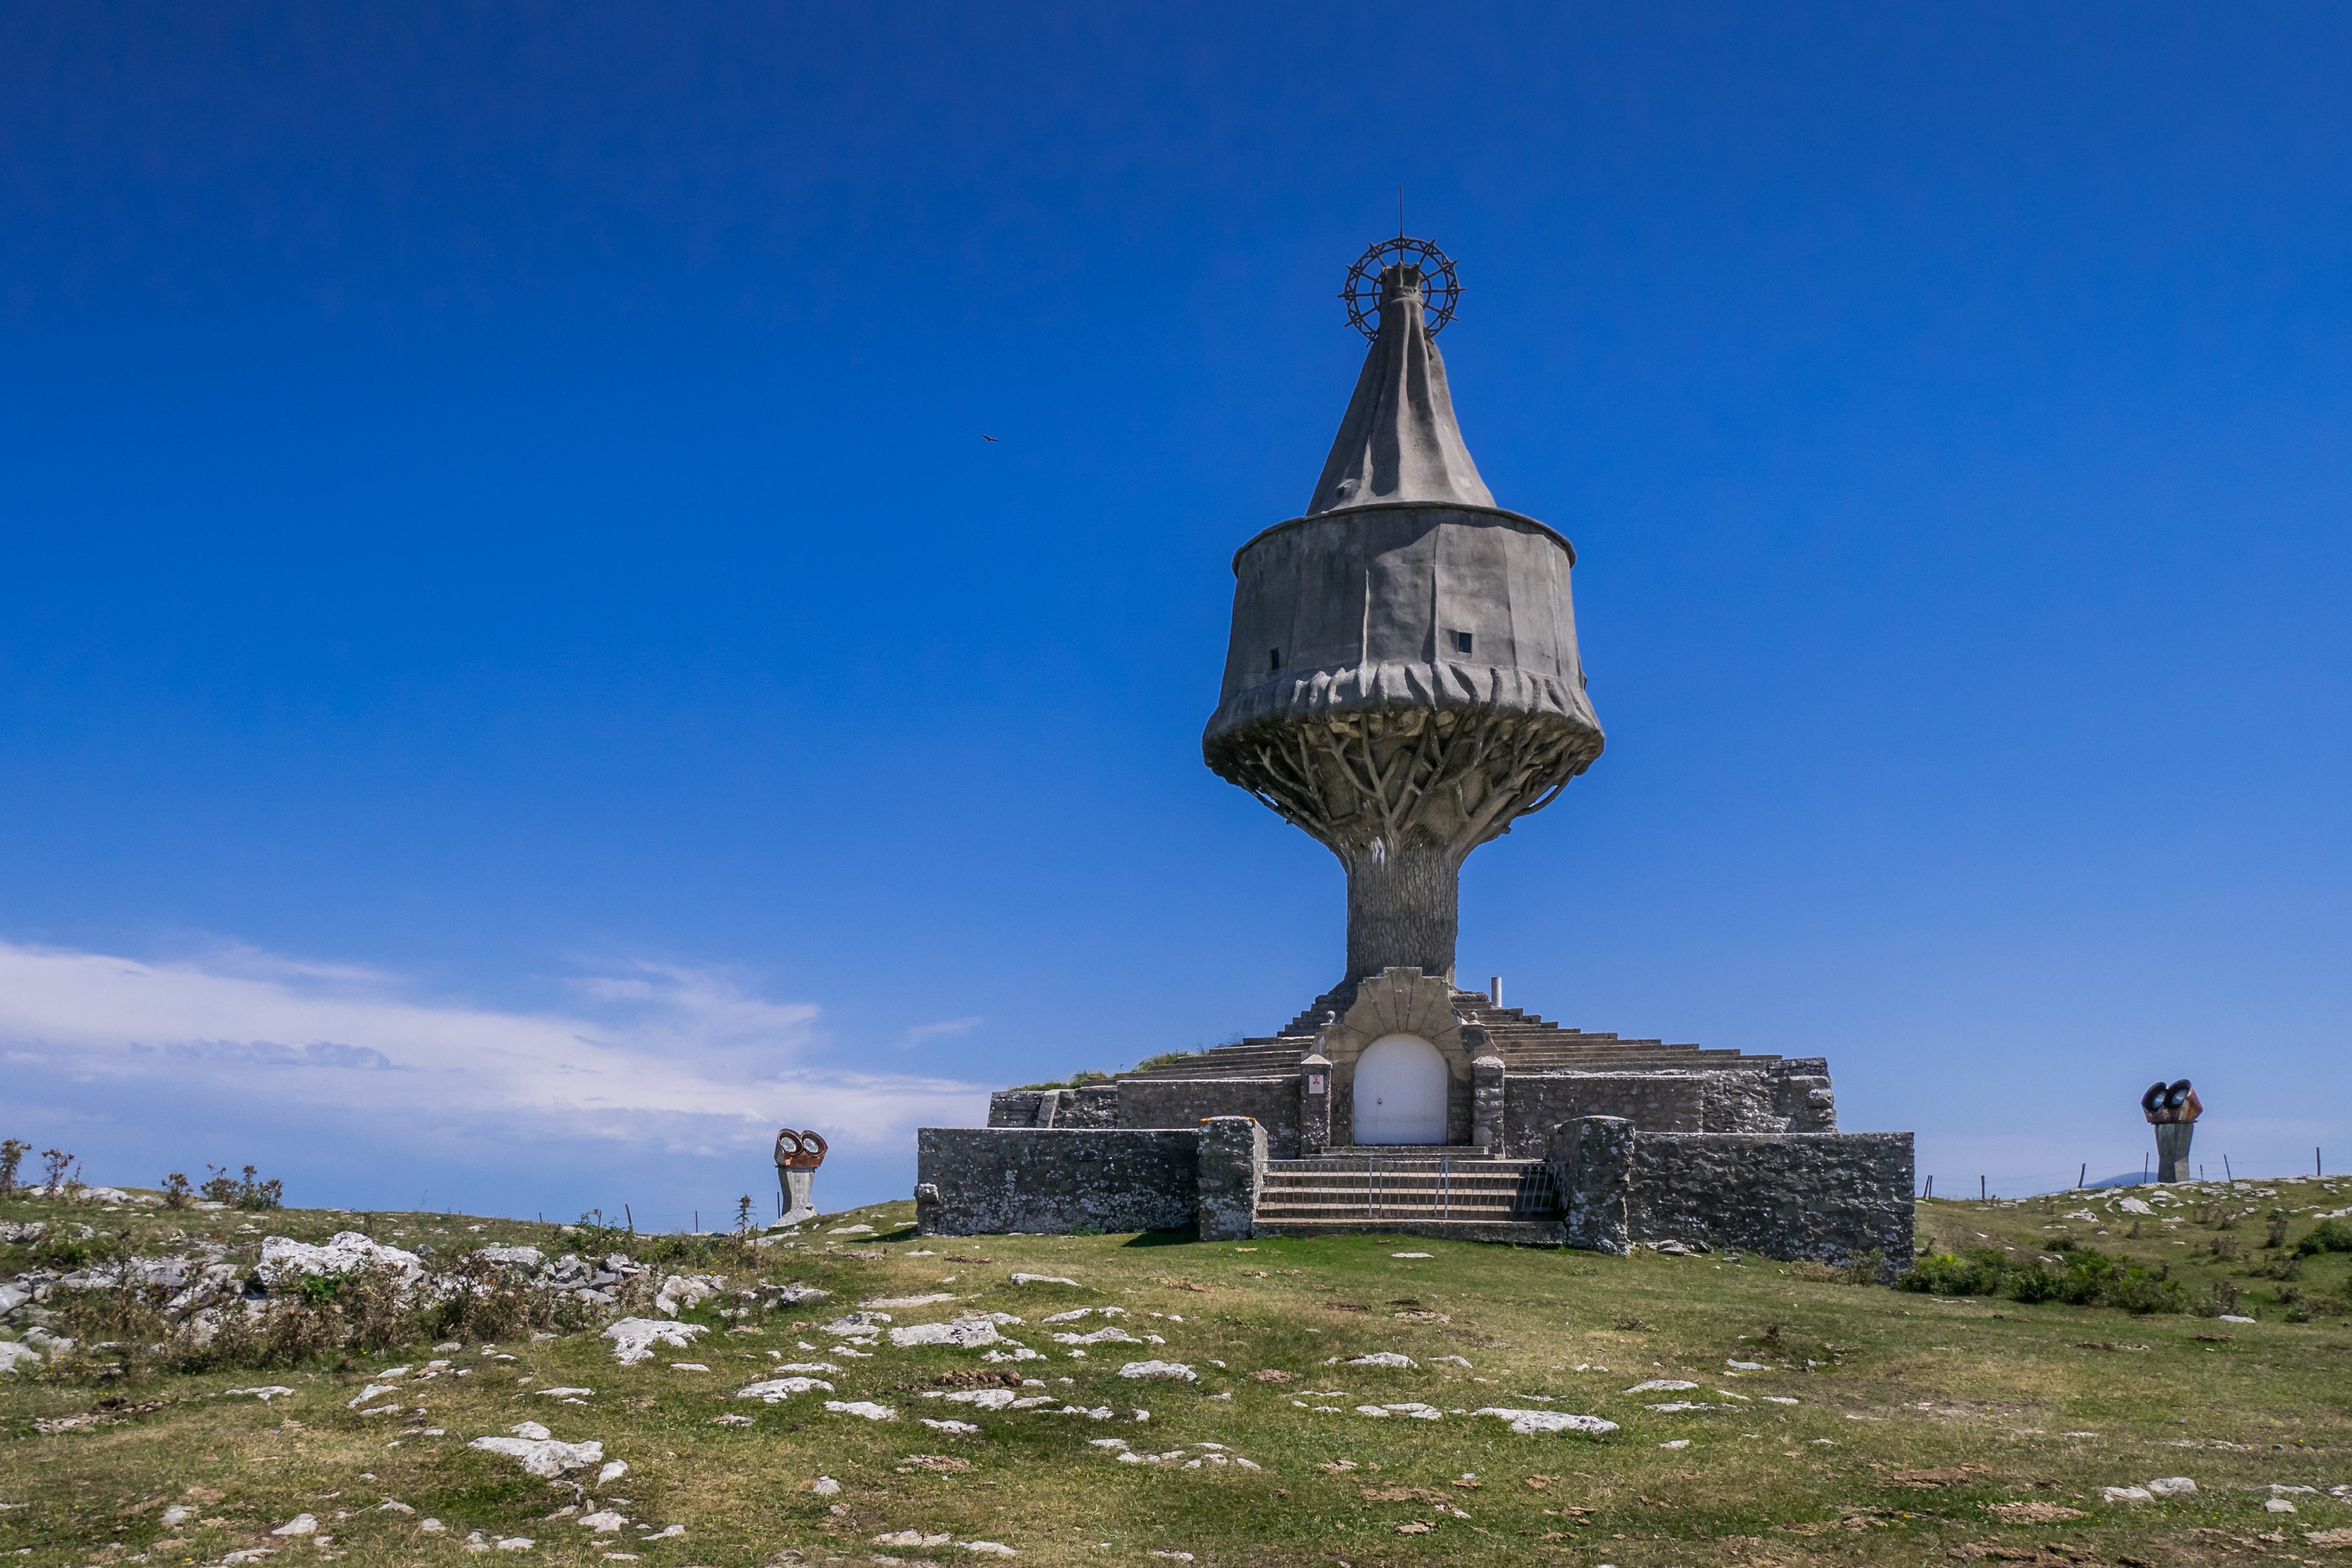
[1399,441]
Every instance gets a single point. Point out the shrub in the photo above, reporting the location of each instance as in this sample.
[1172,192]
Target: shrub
[2328,1235]
[177,1193]
[1947,1274]
[1164,1059]
[491,1302]
[2132,1290]
[2276,1236]
[55,1249]
[1865,1268]
[365,1310]
[2090,1279]
[12,1160]
[2038,1283]
[596,1238]
[1079,1080]
[126,1309]
[247,1193]
[60,1171]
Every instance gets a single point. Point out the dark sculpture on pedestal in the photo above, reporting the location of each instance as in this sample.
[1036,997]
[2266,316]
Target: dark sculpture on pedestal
[1402,679]
[798,1155]
[2172,1110]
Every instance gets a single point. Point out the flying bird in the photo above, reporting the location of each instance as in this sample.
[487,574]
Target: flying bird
[991,438]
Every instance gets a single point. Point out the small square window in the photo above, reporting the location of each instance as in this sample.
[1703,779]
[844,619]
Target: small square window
[1462,641]
[1274,658]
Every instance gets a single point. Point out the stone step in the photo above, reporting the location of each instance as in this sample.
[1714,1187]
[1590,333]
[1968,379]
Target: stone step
[1294,1050]
[1400,1191]
[1453,1156]
[1510,1232]
[1515,1061]
[1363,1185]
[1526,1042]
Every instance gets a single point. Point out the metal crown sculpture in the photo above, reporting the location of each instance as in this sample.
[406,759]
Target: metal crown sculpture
[1440,290]
[1402,679]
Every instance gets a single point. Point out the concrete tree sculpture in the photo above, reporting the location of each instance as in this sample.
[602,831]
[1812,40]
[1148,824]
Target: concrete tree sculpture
[1402,679]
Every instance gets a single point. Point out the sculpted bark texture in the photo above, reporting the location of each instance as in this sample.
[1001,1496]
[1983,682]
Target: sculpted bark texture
[1402,679]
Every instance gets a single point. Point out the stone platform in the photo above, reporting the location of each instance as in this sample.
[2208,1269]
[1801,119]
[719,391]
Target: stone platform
[1537,1136]
[1538,1075]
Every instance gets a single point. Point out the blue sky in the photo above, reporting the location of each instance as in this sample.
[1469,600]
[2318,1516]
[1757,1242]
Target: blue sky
[519,673]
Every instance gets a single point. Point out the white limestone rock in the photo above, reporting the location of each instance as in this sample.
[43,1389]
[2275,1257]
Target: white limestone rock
[1164,1371]
[966,1333]
[520,1257]
[634,1338]
[679,1291]
[985,1398]
[1529,1423]
[777,1389]
[284,1260]
[862,1407]
[537,1452]
[1113,1334]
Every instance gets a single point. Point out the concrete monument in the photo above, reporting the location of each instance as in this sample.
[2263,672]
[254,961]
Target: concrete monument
[1402,680]
[1402,683]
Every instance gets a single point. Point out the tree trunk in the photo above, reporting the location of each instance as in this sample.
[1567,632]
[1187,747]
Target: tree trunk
[1403,909]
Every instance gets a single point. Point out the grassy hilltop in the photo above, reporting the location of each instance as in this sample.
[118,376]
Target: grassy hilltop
[1882,1425]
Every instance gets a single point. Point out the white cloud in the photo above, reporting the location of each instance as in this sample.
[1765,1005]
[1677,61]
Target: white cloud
[664,1054]
[947,1028]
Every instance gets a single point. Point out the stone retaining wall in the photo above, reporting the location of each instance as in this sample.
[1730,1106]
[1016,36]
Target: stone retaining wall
[1088,1106]
[987,1181]
[1535,1104]
[1825,1196]
[1271,1103]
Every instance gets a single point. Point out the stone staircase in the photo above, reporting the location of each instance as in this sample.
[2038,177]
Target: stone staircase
[1411,1190]
[1526,1043]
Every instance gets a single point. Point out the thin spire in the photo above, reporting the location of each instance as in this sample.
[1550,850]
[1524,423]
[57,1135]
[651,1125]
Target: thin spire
[1399,441]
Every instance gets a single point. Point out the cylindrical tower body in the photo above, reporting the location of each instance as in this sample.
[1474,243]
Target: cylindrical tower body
[1402,678]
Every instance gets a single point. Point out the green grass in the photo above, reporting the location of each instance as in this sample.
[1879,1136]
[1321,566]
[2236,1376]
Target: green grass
[2012,1402]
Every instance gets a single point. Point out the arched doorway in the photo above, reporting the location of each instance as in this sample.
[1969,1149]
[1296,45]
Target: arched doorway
[1401,1083]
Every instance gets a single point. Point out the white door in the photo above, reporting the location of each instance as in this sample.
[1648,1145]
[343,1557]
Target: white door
[1401,1083]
